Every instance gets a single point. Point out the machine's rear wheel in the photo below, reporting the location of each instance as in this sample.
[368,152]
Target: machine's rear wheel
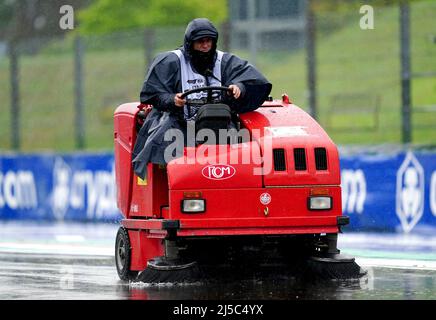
[123,255]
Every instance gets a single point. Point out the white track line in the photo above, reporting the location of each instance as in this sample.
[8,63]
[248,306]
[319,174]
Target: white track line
[397,263]
[56,249]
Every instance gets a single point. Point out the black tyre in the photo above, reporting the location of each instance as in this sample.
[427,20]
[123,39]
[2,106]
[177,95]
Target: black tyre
[123,255]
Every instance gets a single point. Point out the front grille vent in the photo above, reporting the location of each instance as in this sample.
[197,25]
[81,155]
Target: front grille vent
[300,159]
[320,159]
[279,160]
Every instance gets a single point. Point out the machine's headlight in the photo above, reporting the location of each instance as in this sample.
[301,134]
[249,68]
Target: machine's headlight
[320,203]
[193,206]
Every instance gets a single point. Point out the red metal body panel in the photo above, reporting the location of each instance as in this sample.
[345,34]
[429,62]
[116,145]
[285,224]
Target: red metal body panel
[267,124]
[124,137]
[290,127]
[144,248]
[151,194]
[241,208]
[255,231]
[124,140]
[193,170]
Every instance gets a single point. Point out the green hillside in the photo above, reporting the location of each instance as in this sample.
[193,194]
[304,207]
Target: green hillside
[351,61]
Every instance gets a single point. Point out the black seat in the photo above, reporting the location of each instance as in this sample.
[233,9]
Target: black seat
[213,117]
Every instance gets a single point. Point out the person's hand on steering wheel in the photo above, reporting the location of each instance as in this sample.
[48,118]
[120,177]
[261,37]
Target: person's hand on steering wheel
[178,100]
[235,91]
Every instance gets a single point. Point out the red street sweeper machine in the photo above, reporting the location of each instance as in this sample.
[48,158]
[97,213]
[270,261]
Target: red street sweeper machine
[267,199]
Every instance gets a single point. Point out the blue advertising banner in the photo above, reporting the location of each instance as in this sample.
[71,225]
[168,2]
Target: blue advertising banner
[385,192]
[58,187]
[395,192]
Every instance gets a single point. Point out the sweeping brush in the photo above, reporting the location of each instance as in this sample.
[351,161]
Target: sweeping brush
[171,271]
[334,267]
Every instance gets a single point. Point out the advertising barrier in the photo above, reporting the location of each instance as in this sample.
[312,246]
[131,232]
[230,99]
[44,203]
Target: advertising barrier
[395,192]
[58,187]
[386,192]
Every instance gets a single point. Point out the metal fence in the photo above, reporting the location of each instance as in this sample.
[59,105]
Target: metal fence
[362,78]
[67,89]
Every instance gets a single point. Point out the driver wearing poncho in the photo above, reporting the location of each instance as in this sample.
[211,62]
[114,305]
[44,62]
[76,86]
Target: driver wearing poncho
[196,64]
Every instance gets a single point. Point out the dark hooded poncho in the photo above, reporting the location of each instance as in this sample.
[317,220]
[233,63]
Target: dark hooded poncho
[163,81]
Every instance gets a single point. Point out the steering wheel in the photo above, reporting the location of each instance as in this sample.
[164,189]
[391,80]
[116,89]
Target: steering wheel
[203,101]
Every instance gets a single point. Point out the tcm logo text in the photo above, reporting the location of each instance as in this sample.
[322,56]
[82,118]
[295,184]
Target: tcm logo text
[218,172]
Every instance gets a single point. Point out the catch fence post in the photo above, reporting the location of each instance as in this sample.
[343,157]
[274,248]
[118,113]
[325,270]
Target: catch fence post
[405,72]
[311,58]
[78,93]
[15,132]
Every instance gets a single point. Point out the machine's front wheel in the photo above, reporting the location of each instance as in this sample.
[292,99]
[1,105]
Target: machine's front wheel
[123,255]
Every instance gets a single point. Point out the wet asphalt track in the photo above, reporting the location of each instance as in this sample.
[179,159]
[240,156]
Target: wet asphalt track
[75,261]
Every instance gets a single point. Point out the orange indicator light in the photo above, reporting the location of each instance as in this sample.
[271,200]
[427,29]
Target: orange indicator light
[319,192]
[192,194]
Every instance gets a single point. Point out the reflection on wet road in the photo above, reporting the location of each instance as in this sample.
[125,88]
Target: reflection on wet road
[76,262]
